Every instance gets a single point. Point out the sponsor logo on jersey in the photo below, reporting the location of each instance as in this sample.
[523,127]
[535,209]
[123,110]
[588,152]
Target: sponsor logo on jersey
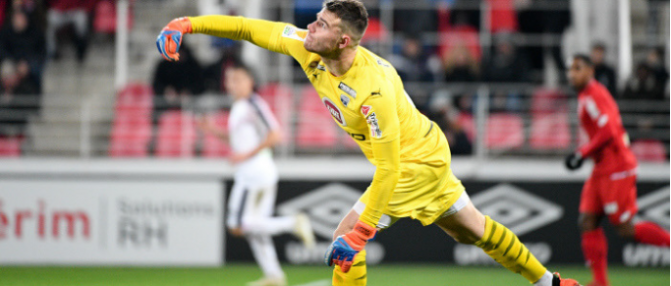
[517,209]
[288,31]
[321,67]
[374,126]
[291,32]
[365,110]
[359,137]
[335,111]
[344,99]
[382,63]
[342,86]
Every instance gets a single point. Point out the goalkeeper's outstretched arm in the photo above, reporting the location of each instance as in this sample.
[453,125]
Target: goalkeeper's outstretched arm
[265,34]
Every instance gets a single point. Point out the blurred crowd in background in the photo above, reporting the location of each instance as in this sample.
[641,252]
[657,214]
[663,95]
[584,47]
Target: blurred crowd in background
[432,49]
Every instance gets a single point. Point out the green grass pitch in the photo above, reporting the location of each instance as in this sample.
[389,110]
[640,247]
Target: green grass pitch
[239,274]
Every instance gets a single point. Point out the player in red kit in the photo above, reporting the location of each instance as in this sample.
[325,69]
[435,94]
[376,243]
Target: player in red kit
[611,189]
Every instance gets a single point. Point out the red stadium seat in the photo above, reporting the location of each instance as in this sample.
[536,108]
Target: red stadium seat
[376,32]
[454,36]
[280,101]
[176,135]
[504,131]
[135,96]
[457,36]
[649,150]
[131,126]
[129,140]
[316,128]
[213,146]
[10,147]
[502,15]
[105,14]
[550,131]
[546,101]
[465,120]
[3,4]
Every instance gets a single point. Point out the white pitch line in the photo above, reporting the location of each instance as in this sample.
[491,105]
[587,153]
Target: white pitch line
[324,282]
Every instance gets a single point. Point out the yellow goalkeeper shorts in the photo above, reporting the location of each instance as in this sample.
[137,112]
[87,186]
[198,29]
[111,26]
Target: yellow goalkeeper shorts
[423,192]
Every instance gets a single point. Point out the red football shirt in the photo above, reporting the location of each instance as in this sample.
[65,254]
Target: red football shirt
[608,141]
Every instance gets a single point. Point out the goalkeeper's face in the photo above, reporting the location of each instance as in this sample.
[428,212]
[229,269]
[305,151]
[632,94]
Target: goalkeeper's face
[325,35]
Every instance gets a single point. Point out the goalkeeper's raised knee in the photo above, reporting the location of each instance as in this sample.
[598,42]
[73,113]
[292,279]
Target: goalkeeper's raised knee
[501,244]
[357,275]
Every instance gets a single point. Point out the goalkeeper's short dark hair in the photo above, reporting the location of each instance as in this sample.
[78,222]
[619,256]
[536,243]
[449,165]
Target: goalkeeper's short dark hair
[352,13]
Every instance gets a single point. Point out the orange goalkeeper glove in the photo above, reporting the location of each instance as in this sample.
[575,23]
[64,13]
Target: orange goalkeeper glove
[345,247]
[170,38]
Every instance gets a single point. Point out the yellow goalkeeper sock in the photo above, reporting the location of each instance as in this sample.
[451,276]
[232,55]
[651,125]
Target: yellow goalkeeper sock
[501,244]
[356,276]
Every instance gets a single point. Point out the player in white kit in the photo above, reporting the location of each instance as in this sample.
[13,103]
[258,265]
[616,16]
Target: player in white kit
[252,131]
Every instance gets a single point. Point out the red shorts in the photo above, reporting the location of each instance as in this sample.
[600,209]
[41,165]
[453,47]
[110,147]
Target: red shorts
[611,195]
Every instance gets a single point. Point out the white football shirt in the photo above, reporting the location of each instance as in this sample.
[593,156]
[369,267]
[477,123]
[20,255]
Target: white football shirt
[249,123]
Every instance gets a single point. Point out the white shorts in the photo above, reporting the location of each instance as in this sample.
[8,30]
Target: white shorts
[387,220]
[249,201]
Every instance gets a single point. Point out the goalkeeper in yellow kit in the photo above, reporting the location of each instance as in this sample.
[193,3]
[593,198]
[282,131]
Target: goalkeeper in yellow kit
[365,96]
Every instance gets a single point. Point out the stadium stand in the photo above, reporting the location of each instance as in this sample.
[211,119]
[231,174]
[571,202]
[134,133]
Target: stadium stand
[315,128]
[176,136]
[131,128]
[212,146]
[505,131]
[10,146]
[649,150]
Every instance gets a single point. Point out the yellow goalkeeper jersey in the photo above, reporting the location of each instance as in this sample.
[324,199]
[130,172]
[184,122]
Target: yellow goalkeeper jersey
[368,102]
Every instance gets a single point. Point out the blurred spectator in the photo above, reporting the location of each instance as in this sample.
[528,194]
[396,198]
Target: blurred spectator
[412,64]
[644,84]
[466,12]
[460,65]
[20,39]
[17,86]
[35,9]
[457,34]
[549,17]
[655,60]
[214,74]
[445,116]
[177,81]
[415,17]
[602,71]
[64,12]
[506,63]
[17,79]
